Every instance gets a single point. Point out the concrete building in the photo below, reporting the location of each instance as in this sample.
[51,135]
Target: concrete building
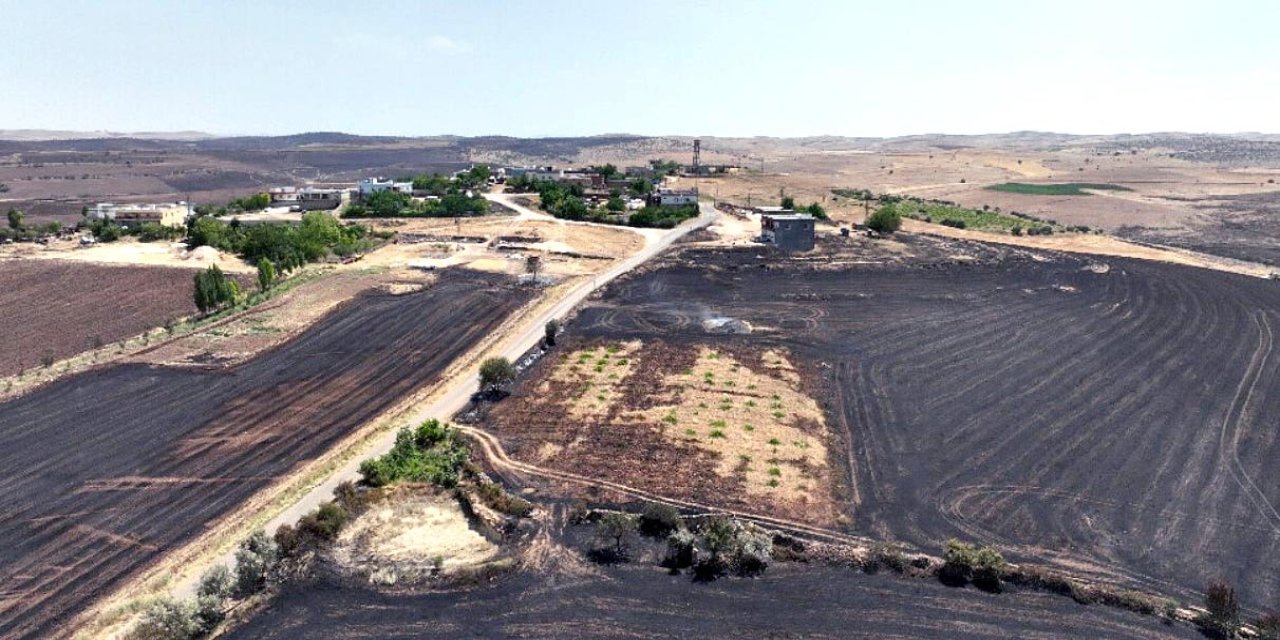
[310,198]
[283,196]
[674,197]
[133,215]
[788,231]
[370,186]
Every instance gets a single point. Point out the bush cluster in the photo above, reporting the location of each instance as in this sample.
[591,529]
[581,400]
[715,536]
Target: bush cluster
[963,563]
[286,246]
[432,453]
[393,204]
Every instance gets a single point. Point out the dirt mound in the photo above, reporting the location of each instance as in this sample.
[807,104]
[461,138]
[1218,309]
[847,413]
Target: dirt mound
[410,536]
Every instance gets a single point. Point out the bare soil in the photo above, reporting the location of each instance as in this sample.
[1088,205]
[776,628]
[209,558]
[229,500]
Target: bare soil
[55,309]
[1105,415]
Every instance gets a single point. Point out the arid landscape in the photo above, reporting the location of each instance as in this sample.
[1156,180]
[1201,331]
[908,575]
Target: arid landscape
[1091,401]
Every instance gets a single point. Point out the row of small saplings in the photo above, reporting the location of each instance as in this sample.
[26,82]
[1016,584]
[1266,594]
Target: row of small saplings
[712,547]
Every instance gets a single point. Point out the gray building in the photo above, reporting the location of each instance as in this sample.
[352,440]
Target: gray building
[788,231]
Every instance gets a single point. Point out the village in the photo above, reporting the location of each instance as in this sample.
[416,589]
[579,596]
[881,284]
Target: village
[653,195]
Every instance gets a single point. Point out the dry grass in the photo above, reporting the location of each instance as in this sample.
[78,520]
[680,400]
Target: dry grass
[412,534]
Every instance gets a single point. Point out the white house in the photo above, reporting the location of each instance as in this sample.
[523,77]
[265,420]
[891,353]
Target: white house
[369,186]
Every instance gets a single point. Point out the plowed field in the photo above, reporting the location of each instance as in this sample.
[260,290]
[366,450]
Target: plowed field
[1113,419]
[102,472]
[57,309]
[787,602]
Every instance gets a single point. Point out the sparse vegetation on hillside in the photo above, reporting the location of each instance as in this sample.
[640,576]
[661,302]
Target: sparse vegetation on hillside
[1058,189]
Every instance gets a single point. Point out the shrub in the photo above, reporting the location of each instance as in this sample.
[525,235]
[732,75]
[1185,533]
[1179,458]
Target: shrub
[1222,618]
[495,498]
[615,534]
[323,524]
[551,329]
[680,549]
[496,373]
[168,619]
[965,562]
[957,224]
[255,560]
[886,219]
[287,540]
[216,582]
[432,453]
[887,555]
[659,520]
[210,612]
[733,547]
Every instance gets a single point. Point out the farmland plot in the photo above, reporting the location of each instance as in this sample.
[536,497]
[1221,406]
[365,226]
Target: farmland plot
[1114,419]
[53,309]
[103,472]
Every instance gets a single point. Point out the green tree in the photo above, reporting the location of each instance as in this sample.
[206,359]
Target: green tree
[609,171]
[886,219]
[788,202]
[16,219]
[213,289]
[496,373]
[816,211]
[641,187]
[266,274]
[616,531]
[615,204]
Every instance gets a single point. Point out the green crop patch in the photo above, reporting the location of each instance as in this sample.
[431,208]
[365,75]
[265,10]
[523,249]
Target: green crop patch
[1058,189]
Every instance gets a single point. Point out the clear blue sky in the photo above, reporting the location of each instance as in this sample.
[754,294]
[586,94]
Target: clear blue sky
[534,68]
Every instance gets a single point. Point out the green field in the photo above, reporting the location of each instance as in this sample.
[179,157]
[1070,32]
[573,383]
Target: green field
[976,219]
[1059,189]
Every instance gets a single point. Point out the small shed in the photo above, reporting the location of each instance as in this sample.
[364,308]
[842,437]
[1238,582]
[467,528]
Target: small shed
[788,231]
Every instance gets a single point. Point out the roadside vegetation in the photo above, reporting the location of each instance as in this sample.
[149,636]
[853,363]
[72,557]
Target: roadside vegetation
[431,453]
[1059,189]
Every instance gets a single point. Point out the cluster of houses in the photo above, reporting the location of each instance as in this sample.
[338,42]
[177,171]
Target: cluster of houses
[597,188]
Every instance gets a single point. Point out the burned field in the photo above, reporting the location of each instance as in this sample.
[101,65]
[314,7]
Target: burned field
[1110,418]
[629,602]
[107,470]
[54,309]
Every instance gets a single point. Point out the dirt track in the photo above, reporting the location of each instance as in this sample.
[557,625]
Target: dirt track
[1108,418]
[106,470]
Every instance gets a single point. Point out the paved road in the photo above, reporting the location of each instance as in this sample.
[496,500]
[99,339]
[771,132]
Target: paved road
[460,388]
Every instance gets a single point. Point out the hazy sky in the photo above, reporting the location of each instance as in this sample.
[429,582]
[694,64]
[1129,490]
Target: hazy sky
[531,68]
